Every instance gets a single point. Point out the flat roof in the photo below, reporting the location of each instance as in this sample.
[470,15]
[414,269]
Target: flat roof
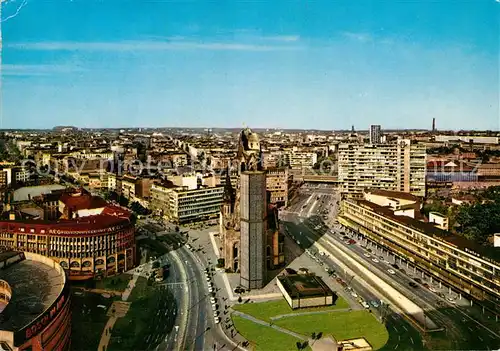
[304,285]
[429,229]
[21,194]
[35,286]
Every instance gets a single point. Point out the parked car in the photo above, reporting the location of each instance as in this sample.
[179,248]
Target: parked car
[374,304]
[365,305]
[391,271]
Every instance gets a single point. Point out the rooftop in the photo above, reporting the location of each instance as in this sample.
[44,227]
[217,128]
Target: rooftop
[35,286]
[393,194]
[304,285]
[24,193]
[82,201]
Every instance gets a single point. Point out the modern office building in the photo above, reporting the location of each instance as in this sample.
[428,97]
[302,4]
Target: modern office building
[399,166]
[181,205]
[375,134]
[253,217]
[35,305]
[472,269]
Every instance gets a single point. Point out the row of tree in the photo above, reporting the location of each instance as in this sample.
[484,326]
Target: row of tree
[481,219]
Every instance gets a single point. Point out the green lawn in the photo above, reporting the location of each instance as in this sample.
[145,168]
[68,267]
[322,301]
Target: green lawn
[118,283]
[268,309]
[264,338]
[342,325]
[88,320]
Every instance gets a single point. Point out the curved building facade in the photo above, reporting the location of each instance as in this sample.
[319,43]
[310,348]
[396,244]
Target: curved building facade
[95,245]
[35,303]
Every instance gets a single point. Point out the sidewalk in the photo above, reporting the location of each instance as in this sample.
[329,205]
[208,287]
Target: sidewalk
[261,322]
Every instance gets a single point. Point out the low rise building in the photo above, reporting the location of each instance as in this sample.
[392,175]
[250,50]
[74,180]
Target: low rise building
[305,290]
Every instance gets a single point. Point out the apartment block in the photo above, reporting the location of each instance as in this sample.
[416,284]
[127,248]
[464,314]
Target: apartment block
[472,269]
[399,166]
[302,159]
[277,184]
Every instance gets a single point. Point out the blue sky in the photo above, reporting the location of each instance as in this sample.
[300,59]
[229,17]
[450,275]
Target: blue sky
[275,64]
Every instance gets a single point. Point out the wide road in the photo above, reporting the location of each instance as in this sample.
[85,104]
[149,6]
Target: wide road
[306,221]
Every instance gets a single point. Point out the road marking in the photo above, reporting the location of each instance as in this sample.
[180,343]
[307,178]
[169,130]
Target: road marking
[480,338]
[411,340]
[470,328]
[404,327]
[395,329]
[396,347]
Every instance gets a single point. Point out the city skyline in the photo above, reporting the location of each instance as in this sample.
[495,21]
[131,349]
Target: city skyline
[297,65]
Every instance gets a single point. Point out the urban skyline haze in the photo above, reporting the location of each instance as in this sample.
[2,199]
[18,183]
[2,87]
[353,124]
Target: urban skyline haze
[293,64]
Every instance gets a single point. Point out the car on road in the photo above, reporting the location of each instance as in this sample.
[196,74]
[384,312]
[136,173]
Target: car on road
[425,285]
[367,254]
[418,280]
[391,271]
[395,266]
[375,260]
[431,288]
[339,280]
[413,284]
[451,300]
[374,304]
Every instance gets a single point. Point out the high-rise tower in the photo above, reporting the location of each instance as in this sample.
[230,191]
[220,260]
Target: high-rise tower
[375,134]
[253,213]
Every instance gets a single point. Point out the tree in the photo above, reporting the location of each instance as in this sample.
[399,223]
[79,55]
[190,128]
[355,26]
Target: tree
[313,335]
[319,335]
[240,299]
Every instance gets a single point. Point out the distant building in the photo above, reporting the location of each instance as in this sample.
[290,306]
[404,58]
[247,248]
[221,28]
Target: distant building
[398,166]
[305,290]
[375,134]
[439,220]
[278,182]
